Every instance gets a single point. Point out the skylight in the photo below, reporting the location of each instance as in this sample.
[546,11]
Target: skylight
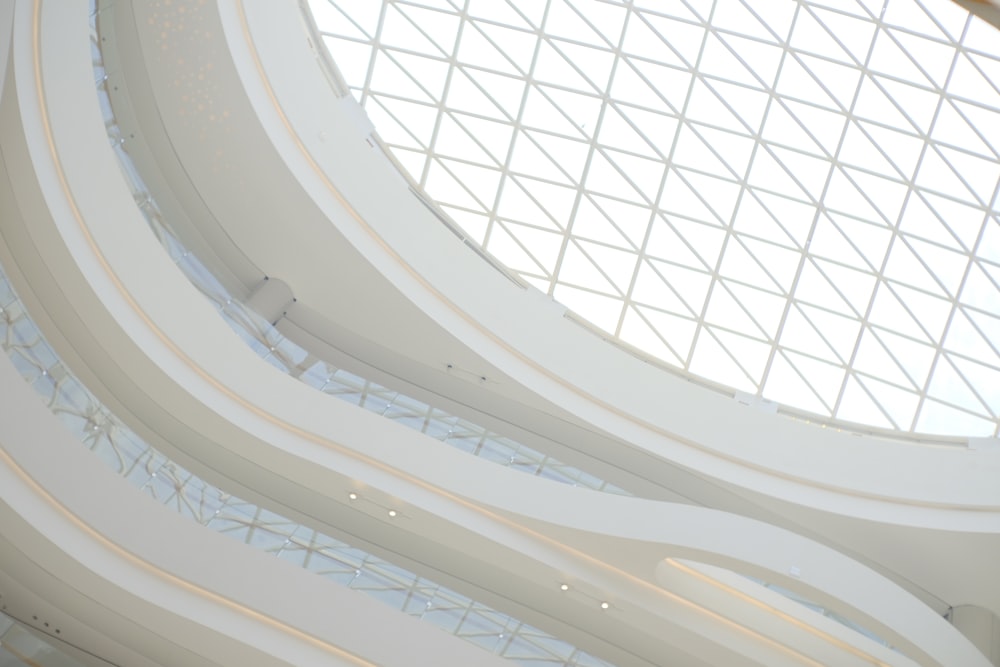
[796,199]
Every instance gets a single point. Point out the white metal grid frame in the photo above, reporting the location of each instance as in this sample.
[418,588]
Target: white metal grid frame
[798,200]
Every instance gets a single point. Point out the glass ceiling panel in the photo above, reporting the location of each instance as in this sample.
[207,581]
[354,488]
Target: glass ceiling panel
[798,200]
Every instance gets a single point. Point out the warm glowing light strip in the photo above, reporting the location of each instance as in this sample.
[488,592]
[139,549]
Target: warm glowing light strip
[760,604]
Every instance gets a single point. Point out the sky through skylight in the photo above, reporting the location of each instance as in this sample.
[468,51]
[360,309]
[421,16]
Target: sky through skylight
[797,199]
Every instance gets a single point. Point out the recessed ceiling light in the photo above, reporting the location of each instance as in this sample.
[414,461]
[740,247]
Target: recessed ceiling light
[605,605]
[352,495]
[392,513]
[564,587]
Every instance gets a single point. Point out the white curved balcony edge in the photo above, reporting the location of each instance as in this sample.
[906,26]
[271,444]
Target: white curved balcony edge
[939,502]
[163,586]
[112,295]
[517,340]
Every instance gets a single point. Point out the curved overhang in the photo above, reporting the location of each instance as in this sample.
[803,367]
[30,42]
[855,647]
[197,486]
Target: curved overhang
[113,303]
[440,304]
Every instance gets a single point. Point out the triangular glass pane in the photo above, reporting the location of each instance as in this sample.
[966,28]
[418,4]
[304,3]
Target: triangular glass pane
[948,386]
[979,291]
[618,265]
[857,405]
[919,104]
[964,338]
[853,34]
[527,158]
[570,154]
[465,95]
[752,219]
[477,51]
[671,84]
[765,308]
[628,88]
[603,311]
[544,246]
[826,127]
[692,151]
[717,60]
[886,195]
[796,83]
[563,21]
[557,200]
[841,333]
[706,105]
[781,263]
[950,127]
[453,140]
[904,266]
[930,311]
[638,332]
[915,358]
[691,286]
[963,220]
[980,175]
[501,244]
[645,175]
[443,186]
[781,127]
[768,174]
[494,137]
[785,385]
[579,270]
[985,121]
[664,242]
[811,36]
[473,224]
[733,15]
[799,334]
[710,360]
[813,287]
[750,354]
[552,67]
[440,27]
[795,217]
[499,12]
[678,332]
[984,379]
[653,289]
[725,311]
[870,239]
[480,182]
[518,45]
[678,197]
[899,404]
[399,32]
[902,149]
[841,81]
[888,58]
[685,39]
[590,223]
[618,132]
[595,64]
[936,417]
[606,18]
[604,178]
[947,265]
[859,150]
[855,286]
[811,173]
[517,204]
[843,195]
[873,358]
[739,264]
[631,219]
[541,113]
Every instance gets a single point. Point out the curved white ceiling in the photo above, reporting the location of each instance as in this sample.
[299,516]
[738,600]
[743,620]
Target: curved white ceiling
[797,200]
